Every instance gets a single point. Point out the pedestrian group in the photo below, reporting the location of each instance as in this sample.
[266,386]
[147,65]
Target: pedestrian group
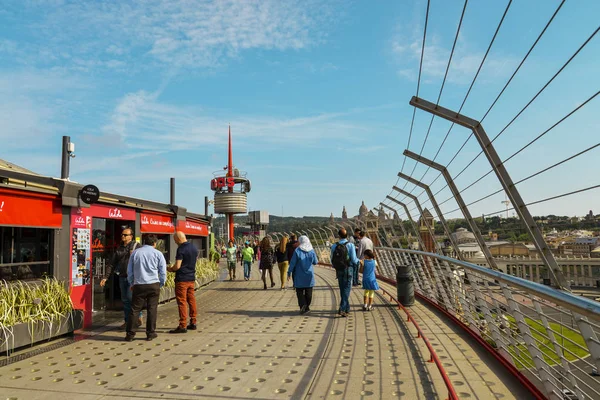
[142,271]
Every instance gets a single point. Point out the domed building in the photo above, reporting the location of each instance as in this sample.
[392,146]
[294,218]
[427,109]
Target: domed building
[363,211]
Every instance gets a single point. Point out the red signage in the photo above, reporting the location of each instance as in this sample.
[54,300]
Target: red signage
[220,183]
[22,208]
[192,228]
[154,223]
[80,221]
[112,212]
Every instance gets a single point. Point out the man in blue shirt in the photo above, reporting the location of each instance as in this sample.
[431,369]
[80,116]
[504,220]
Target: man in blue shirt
[185,281]
[344,274]
[146,274]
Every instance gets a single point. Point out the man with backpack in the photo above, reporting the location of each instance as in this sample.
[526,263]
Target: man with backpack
[344,260]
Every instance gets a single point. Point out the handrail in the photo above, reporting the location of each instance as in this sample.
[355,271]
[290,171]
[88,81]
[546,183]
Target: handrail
[583,306]
[514,371]
[434,358]
[18,264]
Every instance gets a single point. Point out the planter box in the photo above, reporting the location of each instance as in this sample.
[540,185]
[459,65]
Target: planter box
[168,294]
[21,335]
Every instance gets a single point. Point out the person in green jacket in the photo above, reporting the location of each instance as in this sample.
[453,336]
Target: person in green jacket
[231,250]
[247,255]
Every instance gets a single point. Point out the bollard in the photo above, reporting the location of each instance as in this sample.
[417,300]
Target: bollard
[405,285]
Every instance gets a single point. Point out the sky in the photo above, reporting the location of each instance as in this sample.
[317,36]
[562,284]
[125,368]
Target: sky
[316,93]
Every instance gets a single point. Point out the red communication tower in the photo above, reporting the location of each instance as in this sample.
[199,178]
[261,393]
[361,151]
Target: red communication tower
[230,191]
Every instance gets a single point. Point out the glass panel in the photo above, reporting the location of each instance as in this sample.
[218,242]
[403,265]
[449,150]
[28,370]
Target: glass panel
[106,238]
[25,253]
[162,245]
[99,261]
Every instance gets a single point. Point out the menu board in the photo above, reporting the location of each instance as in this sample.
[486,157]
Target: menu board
[80,256]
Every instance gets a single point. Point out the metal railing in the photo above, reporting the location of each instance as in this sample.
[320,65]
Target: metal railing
[546,337]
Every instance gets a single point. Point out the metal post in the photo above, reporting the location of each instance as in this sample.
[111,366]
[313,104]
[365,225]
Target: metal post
[401,225]
[509,187]
[173,192]
[416,201]
[457,196]
[392,225]
[437,210]
[412,222]
[66,158]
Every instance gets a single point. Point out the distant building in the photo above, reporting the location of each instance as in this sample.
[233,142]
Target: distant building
[585,245]
[462,235]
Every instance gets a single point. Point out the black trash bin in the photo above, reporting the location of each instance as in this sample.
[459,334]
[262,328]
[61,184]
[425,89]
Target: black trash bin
[405,286]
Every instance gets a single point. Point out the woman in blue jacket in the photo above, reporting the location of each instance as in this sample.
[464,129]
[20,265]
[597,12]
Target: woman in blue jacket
[301,268]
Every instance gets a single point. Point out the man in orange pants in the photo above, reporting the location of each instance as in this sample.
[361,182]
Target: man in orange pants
[185,280]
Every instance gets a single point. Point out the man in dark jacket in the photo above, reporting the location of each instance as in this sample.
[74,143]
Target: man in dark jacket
[185,280]
[118,265]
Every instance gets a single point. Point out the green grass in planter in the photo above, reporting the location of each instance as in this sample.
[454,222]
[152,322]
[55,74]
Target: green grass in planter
[28,303]
[205,269]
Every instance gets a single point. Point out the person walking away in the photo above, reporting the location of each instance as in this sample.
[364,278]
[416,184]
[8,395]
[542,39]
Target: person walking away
[255,248]
[355,239]
[231,255]
[118,265]
[239,256]
[146,274]
[185,281]
[247,254]
[369,281]
[344,260]
[282,260]
[365,244]
[267,259]
[291,246]
[302,270]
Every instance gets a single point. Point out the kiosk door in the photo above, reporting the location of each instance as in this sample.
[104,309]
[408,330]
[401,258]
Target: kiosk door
[106,237]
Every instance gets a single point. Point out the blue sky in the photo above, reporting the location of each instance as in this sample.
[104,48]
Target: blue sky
[316,93]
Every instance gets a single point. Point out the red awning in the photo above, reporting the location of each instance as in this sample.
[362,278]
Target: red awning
[30,209]
[193,228]
[156,223]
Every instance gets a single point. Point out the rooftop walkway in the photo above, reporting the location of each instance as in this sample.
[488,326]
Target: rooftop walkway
[253,344]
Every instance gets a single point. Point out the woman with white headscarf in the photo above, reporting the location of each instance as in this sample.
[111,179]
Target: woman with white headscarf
[301,268]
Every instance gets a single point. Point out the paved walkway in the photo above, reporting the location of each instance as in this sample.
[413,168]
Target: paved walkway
[253,344]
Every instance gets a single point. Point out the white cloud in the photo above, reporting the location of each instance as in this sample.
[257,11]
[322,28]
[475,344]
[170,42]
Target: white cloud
[140,121]
[31,108]
[465,61]
[186,33]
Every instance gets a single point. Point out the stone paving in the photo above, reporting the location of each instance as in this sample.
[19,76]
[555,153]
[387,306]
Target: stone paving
[253,344]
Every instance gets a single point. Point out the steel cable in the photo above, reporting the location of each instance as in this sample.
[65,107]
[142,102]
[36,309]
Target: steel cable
[530,143]
[418,83]
[501,92]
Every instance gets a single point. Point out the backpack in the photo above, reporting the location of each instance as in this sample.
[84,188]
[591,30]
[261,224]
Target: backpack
[340,258]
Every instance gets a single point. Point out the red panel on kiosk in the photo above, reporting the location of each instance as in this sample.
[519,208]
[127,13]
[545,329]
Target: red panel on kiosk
[21,208]
[155,223]
[192,228]
[112,212]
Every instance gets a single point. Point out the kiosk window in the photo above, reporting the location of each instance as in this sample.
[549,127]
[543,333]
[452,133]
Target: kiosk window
[25,253]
